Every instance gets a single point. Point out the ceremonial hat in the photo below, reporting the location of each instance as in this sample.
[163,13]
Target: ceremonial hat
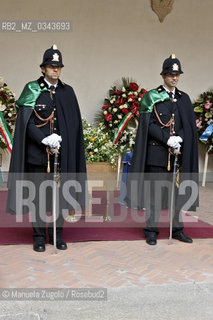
[53,57]
[171,66]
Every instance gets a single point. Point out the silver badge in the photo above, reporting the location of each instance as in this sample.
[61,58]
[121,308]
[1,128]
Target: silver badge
[55,57]
[175,67]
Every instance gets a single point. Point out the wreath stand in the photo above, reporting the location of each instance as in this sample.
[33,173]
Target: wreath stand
[1,177]
[205,169]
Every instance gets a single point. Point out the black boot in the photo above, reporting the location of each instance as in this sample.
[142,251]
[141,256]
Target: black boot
[151,238]
[179,235]
[60,244]
[39,244]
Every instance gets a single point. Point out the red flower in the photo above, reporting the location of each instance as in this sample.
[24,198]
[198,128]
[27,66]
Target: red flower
[142,93]
[134,107]
[5,85]
[133,86]
[108,117]
[117,92]
[106,106]
[122,101]
[132,96]
[4,96]
[124,110]
[119,102]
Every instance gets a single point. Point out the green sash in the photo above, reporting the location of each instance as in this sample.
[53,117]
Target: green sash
[29,95]
[150,99]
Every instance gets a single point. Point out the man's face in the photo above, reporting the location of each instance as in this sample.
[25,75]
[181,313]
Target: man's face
[51,73]
[170,80]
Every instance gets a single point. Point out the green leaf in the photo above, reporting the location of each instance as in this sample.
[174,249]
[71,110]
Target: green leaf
[198,109]
[200,100]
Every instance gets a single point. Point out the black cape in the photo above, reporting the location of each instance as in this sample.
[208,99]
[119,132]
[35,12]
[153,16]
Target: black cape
[137,173]
[73,163]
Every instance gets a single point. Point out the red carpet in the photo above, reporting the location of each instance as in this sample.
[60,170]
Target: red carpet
[126,224]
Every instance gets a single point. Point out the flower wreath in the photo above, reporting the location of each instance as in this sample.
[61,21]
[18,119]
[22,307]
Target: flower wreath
[203,108]
[120,113]
[97,144]
[7,116]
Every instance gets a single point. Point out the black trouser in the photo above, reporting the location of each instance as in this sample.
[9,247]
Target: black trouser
[37,174]
[158,197]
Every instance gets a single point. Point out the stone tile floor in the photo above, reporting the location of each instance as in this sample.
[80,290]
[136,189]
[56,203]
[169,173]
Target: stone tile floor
[106,264]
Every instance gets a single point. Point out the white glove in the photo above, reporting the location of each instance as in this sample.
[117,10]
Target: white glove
[174,142]
[53,141]
[177,149]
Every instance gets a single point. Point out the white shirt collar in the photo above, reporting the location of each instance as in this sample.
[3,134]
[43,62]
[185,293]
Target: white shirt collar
[173,91]
[50,84]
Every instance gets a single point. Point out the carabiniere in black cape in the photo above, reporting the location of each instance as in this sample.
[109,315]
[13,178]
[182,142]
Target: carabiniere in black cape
[70,126]
[189,149]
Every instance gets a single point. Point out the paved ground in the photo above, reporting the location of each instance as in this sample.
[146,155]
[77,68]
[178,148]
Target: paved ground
[142,282]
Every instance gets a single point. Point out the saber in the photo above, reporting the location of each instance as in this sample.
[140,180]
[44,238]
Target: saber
[176,153]
[54,200]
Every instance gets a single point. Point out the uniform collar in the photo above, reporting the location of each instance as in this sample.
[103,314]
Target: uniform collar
[168,91]
[42,83]
[177,91]
[50,84]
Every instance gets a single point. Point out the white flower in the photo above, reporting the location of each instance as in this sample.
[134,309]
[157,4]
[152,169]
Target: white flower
[120,116]
[114,109]
[9,115]
[131,141]
[124,95]
[96,150]
[116,121]
[110,125]
[135,93]
[130,99]
[123,89]
[130,93]
[125,105]
[105,112]
[139,99]
[111,101]
[2,107]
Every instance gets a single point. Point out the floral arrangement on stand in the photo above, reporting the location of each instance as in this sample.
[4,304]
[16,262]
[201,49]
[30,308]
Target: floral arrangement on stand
[120,114]
[97,144]
[203,108]
[7,116]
